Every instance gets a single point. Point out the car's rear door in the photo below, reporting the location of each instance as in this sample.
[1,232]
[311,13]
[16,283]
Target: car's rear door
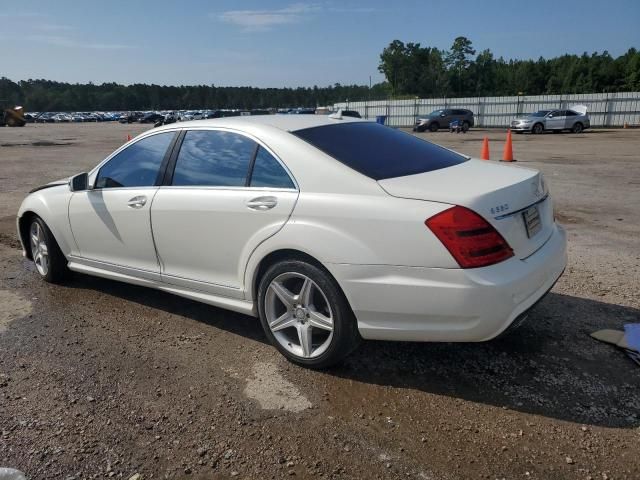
[226,194]
[111,222]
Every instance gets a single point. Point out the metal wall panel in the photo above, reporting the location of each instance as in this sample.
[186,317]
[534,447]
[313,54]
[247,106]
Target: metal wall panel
[605,109]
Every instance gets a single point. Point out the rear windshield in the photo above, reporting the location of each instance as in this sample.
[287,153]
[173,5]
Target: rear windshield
[377,151]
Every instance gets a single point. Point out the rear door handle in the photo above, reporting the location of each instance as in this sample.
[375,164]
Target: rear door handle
[262,203]
[137,202]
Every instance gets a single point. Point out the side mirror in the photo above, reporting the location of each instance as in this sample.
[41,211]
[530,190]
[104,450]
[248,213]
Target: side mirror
[443,115]
[79,182]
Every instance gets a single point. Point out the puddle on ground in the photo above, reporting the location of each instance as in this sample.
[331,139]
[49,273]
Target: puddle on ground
[274,392]
[39,143]
[12,307]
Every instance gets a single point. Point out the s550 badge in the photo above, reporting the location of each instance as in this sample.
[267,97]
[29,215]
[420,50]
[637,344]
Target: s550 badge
[499,208]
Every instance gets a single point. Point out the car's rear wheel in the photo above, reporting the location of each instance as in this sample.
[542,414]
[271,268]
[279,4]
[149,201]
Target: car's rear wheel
[465,127]
[538,128]
[577,127]
[305,315]
[49,260]
[434,127]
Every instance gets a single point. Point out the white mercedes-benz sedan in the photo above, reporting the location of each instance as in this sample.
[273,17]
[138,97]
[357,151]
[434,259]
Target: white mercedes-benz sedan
[328,229]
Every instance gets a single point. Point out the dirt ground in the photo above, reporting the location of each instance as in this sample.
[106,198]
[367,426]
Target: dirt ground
[100,379]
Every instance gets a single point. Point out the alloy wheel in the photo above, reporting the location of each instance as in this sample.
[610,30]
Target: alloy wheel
[301,322]
[39,249]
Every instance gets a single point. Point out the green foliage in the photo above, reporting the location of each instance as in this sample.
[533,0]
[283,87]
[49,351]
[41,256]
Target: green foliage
[412,70]
[46,95]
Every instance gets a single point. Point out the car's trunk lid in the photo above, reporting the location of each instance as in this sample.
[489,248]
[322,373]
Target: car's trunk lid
[501,194]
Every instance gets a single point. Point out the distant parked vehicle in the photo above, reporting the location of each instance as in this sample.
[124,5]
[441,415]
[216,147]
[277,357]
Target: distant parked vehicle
[130,117]
[190,115]
[169,118]
[574,120]
[442,118]
[62,118]
[351,113]
[151,118]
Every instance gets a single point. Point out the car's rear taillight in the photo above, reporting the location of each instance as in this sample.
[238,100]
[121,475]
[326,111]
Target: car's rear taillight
[471,240]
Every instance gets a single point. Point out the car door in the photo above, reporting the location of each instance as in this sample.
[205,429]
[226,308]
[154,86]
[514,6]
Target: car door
[111,222]
[555,120]
[569,119]
[227,194]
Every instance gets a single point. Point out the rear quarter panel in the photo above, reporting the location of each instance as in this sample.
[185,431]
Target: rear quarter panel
[360,230]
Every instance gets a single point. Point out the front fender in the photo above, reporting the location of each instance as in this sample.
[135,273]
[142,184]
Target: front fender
[52,205]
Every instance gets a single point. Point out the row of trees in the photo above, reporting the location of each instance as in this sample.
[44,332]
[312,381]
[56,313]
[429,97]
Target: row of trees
[411,69]
[46,95]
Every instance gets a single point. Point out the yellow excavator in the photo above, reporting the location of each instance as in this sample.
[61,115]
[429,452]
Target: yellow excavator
[12,117]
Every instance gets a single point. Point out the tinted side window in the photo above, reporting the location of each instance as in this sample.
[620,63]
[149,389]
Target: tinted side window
[267,172]
[570,113]
[377,151]
[137,165]
[213,158]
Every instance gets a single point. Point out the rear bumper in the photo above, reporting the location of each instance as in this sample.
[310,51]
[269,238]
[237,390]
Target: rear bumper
[449,305]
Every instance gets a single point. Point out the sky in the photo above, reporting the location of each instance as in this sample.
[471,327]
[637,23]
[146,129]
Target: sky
[273,43]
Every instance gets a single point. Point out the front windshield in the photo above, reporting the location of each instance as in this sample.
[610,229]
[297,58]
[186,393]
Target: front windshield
[540,113]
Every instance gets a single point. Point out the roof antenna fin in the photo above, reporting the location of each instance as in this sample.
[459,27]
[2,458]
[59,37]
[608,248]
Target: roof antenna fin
[337,115]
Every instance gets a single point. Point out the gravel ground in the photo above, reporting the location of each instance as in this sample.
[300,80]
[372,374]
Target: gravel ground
[100,379]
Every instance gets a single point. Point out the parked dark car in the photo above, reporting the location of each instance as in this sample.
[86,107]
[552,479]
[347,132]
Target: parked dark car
[151,118]
[130,117]
[442,118]
[351,113]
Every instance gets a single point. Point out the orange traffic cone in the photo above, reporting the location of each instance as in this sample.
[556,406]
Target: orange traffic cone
[507,155]
[128,138]
[485,149]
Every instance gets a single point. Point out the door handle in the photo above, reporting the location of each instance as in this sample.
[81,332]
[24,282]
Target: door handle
[137,202]
[262,203]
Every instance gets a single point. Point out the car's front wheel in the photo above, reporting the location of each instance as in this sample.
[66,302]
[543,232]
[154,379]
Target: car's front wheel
[49,260]
[305,315]
[538,128]
[434,127]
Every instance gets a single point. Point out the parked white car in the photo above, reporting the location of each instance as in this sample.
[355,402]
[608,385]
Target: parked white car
[328,229]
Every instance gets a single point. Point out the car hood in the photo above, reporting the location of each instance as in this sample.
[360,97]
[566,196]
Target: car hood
[55,183]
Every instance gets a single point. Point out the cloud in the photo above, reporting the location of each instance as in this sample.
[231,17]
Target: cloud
[267,19]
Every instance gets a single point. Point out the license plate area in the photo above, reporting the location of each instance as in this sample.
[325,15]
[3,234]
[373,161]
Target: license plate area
[532,221]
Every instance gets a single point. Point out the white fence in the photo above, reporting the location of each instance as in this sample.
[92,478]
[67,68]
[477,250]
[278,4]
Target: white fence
[605,109]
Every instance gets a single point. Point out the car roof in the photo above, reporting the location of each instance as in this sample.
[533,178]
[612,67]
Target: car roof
[288,123]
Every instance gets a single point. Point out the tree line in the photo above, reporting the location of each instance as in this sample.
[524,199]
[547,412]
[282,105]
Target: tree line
[47,95]
[410,70]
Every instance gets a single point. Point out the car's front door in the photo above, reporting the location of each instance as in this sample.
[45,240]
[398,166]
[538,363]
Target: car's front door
[227,194]
[111,223]
[555,120]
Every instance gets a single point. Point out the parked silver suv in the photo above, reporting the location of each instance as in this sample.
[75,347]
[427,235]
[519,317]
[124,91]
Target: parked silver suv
[442,118]
[574,119]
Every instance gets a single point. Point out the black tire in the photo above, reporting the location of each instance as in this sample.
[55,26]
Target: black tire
[434,127]
[465,127]
[537,129]
[577,127]
[346,337]
[57,270]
